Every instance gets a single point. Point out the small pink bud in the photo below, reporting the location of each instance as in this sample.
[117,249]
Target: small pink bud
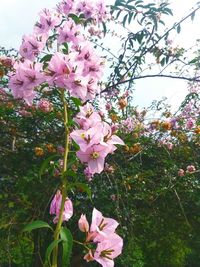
[83,224]
[181,172]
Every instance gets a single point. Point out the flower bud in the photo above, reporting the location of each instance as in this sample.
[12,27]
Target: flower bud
[83,224]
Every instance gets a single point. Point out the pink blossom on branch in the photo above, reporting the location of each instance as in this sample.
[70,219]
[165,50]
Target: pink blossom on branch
[94,156]
[108,249]
[102,234]
[32,45]
[47,21]
[27,77]
[87,138]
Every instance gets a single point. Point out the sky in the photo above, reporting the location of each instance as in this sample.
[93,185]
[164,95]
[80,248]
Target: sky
[17,17]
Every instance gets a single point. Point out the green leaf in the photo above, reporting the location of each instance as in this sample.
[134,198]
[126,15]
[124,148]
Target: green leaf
[50,249]
[44,165]
[66,48]
[69,173]
[194,60]
[130,17]
[104,28]
[46,58]
[178,29]
[124,20]
[76,101]
[162,62]
[75,18]
[67,243]
[36,225]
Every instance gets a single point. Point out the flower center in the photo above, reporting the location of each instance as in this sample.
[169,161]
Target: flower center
[94,155]
[107,253]
[83,135]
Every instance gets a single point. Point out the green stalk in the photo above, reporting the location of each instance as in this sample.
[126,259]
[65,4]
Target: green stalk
[64,179]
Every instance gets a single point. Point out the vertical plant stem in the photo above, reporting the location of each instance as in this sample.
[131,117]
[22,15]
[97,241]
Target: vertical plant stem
[64,179]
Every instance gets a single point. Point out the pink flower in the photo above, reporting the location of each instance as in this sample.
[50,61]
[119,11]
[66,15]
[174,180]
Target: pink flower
[88,174]
[191,168]
[181,172]
[77,85]
[69,33]
[94,156]
[27,76]
[86,8]
[190,123]
[111,139]
[169,145]
[48,20]
[87,138]
[93,65]
[45,105]
[108,249]
[6,61]
[66,7]
[83,224]
[108,106]
[32,45]
[58,70]
[87,117]
[56,205]
[102,226]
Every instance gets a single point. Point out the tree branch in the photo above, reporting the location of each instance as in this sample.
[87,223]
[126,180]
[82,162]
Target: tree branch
[194,79]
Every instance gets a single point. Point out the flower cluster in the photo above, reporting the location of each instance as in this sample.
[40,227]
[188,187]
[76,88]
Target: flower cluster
[101,233]
[96,11]
[95,138]
[78,69]
[189,169]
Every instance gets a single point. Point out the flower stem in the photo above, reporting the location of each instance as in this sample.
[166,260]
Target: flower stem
[64,179]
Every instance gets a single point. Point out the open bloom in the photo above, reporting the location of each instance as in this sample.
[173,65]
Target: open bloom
[32,45]
[108,249]
[27,76]
[87,138]
[58,70]
[94,156]
[87,117]
[56,205]
[102,226]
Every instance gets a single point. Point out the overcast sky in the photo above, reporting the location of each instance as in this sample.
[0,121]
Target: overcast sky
[17,17]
